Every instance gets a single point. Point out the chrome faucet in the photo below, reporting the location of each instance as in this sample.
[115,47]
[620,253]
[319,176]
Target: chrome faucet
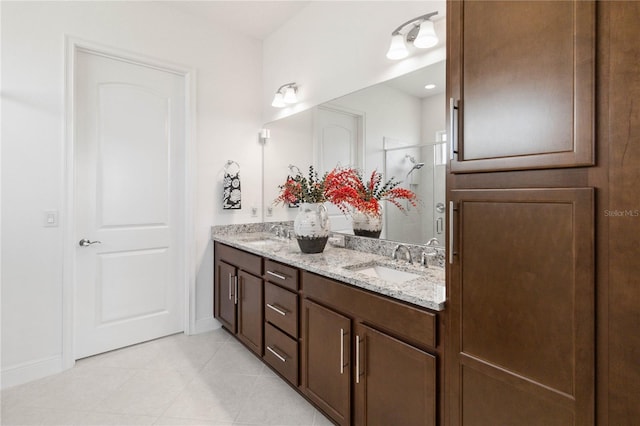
[432,242]
[275,230]
[423,259]
[394,254]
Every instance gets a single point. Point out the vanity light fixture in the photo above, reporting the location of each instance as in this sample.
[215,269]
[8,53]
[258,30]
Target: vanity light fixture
[422,34]
[286,94]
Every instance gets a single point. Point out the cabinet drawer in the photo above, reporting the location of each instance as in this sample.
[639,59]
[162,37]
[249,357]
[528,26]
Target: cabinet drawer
[283,275]
[243,260]
[281,308]
[281,352]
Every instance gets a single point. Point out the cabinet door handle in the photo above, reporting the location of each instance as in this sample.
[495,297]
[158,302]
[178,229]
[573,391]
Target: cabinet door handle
[278,309]
[280,357]
[236,285]
[453,140]
[358,359]
[230,279]
[342,351]
[451,233]
[275,274]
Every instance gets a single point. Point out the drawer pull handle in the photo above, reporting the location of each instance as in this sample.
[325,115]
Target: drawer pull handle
[453,128]
[342,351]
[357,359]
[230,279]
[275,274]
[277,309]
[280,357]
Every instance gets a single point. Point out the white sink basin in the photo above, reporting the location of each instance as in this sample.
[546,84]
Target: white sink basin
[385,273]
[262,240]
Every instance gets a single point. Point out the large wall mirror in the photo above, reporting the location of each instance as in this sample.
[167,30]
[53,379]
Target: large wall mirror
[396,127]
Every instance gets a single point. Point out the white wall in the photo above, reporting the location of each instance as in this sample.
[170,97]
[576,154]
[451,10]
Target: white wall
[334,48]
[228,117]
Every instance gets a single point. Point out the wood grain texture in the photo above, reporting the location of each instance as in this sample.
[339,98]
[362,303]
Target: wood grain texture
[623,217]
[250,311]
[526,94]
[397,382]
[522,298]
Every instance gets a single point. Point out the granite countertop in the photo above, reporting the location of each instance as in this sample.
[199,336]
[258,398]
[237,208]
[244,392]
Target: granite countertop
[427,291]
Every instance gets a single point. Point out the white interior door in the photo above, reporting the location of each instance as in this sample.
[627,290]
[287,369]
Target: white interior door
[338,143]
[129,123]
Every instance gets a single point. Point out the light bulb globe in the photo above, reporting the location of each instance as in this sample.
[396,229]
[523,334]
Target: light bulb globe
[397,49]
[426,37]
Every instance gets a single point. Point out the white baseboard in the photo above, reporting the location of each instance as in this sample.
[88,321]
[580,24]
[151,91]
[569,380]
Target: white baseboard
[29,371]
[206,324]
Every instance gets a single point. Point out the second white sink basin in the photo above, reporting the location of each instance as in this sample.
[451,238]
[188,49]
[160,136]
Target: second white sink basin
[385,273]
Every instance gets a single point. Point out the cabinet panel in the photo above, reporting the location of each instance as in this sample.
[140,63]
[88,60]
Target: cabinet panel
[506,405]
[281,352]
[283,275]
[243,260]
[395,382]
[326,351]
[523,73]
[281,308]
[224,295]
[250,316]
[621,348]
[530,321]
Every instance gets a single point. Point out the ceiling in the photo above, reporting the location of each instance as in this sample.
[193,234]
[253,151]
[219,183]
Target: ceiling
[413,83]
[256,19]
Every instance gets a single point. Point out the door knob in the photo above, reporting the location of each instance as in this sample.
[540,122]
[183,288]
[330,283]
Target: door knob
[84,242]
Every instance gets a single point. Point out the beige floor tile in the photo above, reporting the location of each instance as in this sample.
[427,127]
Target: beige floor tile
[213,397]
[273,402]
[174,421]
[81,388]
[209,379]
[148,393]
[234,358]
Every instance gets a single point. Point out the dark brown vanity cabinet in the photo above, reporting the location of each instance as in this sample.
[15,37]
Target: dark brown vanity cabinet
[238,295]
[521,84]
[367,360]
[281,319]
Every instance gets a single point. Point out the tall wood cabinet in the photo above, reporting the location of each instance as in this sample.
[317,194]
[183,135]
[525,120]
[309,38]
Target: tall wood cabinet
[544,217]
[522,97]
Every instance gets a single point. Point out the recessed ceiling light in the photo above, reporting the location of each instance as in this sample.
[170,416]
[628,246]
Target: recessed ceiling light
[430,86]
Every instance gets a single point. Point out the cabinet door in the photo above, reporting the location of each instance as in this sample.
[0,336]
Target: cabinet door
[250,313]
[395,383]
[326,376]
[521,314]
[522,76]
[224,295]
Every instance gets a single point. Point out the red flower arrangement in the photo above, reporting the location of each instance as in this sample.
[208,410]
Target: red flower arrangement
[346,188]
[301,189]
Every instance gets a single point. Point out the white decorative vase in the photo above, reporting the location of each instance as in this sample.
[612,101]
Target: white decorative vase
[366,224]
[312,227]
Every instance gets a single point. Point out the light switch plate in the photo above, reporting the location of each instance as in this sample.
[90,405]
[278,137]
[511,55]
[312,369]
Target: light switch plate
[50,218]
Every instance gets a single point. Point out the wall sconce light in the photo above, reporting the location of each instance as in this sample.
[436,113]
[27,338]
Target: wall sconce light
[264,135]
[286,94]
[422,34]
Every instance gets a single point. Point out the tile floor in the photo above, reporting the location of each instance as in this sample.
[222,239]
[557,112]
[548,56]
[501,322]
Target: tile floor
[207,379]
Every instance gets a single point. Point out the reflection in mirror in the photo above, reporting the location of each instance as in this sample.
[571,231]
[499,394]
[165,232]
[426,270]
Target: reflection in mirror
[395,127]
